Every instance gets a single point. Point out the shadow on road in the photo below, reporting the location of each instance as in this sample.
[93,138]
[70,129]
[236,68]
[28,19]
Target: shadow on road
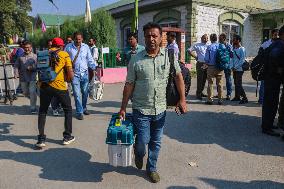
[229,130]
[256,184]
[60,164]
[67,164]
[181,187]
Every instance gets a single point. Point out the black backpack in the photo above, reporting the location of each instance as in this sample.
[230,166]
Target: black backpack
[257,65]
[186,78]
[172,94]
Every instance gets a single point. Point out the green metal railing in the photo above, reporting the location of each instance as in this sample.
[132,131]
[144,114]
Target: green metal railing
[111,59]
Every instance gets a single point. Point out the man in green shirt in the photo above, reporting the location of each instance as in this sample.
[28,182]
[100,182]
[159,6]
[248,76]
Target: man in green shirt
[147,77]
[133,47]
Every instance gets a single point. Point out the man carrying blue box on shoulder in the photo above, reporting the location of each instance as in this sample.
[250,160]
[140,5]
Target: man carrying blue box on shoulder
[147,78]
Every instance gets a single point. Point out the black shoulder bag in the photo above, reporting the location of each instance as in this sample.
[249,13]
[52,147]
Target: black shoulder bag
[172,93]
[245,65]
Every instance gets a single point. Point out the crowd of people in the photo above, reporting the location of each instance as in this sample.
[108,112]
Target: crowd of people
[148,69]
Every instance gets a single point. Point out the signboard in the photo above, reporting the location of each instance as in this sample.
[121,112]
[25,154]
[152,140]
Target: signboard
[183,38]
[105,50]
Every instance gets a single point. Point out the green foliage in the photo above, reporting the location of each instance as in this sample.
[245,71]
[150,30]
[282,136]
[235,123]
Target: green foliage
[102,28]
[40,39]
[14,17]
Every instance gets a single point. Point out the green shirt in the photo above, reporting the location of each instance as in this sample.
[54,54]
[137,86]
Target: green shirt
[150,77]
[129,52]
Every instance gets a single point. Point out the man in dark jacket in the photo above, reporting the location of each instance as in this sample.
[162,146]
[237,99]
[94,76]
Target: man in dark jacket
[274,78]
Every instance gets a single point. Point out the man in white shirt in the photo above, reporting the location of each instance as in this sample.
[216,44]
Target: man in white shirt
[199,55]
[94,49]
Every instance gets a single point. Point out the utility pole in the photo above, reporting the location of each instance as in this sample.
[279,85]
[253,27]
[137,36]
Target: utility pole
[58,21]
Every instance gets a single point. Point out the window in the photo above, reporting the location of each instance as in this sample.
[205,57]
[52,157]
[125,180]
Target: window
[230,29]
[126,32]
[173,25]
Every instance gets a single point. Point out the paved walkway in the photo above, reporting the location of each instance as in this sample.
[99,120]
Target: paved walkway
[224,141]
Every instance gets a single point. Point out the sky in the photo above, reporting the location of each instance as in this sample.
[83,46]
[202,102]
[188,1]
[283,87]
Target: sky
[69,7]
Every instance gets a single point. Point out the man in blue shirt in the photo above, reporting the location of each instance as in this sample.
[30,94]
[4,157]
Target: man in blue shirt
[228,71]
[82,59]
[212,71]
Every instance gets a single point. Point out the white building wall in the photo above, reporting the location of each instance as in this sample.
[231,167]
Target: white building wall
[207,23]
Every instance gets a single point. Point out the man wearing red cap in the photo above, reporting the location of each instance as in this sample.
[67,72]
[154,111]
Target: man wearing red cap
[58,89]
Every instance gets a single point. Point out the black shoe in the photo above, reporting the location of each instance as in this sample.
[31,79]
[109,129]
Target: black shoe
[228,97]
[154,176]
[274,127]
[209,102]
[40,141]
[235,99]
[138,162]
[220,102]
[203,95]
[79,117]
[86,112]
[216,96]
[243,101]
[68,140]
[270,132]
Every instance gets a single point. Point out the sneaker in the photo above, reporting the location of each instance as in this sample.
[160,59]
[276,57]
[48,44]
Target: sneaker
[33,111]
[86,112]
[138,162]
[68,140]
[209,102]
[55,113]
[203,95]
[40,141]
[244,101]
[154,176]
[228,97]
[79,117]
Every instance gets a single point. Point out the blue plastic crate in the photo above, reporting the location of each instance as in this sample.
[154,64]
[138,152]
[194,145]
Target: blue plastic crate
[120,132]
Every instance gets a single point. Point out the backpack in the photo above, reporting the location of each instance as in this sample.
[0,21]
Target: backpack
[172,94]
[186,78]
[47,60]
[257,66]
[223,57]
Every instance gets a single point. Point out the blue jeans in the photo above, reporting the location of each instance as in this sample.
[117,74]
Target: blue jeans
[80,91]
[228,76]
[261,92]
[149,130]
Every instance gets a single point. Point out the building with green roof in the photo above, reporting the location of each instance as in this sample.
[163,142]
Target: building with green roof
[253,19]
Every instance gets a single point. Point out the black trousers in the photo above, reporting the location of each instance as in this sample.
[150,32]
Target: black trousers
[281,110]
[46,94]
[201,78]
[270,101]
[238,81]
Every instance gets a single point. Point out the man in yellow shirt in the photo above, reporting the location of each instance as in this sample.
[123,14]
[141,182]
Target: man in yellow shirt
[57,88]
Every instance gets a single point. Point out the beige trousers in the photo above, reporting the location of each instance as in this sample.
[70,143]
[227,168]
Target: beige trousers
[212,73]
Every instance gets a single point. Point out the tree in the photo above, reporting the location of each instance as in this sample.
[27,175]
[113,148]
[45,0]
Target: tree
[14,17]
[102,28]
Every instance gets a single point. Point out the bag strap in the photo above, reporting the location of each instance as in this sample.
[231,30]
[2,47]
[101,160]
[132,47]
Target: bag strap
[172,60]
[237,55]
[78,52]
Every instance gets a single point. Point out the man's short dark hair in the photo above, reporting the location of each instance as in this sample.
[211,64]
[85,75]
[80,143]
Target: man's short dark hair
[237,37]
[69,36]
[151,25]
[132,34]
[77,33]
[274,31]
[223,35]
[27,43]
[281,31]
[213,37]
[171,34]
